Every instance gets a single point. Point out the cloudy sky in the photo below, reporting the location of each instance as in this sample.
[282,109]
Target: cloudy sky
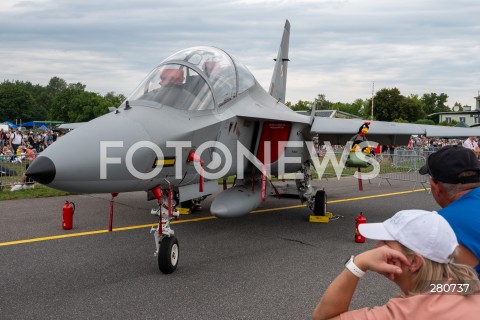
[337,47]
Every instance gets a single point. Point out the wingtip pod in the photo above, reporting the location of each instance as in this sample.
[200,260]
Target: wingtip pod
[279,77]
[236,201]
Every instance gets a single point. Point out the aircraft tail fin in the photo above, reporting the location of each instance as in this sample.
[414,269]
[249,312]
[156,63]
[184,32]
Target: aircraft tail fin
[279,77]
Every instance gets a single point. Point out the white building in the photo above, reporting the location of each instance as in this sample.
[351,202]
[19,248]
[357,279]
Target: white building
[467,116]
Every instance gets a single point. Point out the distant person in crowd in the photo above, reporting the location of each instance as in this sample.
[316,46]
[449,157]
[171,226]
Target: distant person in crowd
[39,143]
[431,144]
[415,251]
[48,139]
[29,152]
[6,154]
[31,139]
[7,136]
[16,140]
[472,144]
[410,144]
[391,152]
[19,156]
[2,138]
[455,185]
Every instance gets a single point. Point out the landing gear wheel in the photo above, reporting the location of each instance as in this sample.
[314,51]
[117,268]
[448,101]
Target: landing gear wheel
[168,255]
[320,206]
[187,204]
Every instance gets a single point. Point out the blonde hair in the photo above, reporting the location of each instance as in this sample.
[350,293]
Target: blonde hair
[432,272]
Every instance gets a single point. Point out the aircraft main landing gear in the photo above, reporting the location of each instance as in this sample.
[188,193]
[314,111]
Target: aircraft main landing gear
[166,243]
[316,200]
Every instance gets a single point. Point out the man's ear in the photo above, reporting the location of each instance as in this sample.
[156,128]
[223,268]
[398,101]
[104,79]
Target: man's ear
[416,262]
[434,185]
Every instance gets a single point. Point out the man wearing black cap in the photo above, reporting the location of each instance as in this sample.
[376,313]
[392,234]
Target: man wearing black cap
[455,185]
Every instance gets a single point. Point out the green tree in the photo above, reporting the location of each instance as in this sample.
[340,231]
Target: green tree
[355,108]
[74,104]
[386,105]
[453,123]
[411,109]
[301,106]
[16,102]
[77,85]
[321,103]
[56,85]
[425,121]
[360,105]
[389,104]
[434,103]
[114,100]
[419,105]
[55,101]
[37,110]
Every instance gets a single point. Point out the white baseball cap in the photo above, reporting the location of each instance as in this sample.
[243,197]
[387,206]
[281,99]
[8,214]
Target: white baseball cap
[425,232]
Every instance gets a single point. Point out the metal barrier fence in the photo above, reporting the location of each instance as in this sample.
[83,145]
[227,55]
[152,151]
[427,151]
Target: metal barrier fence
[12,172]
[401,165]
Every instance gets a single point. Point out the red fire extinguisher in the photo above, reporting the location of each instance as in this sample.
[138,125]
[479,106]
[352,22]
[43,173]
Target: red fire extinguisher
[359,220]
[68,210]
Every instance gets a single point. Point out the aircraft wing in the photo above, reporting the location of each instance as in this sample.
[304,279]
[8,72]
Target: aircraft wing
[450,132]
[71,126]
[339,131]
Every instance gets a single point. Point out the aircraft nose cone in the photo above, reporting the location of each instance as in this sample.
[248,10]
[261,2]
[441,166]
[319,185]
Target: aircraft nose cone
[42,170]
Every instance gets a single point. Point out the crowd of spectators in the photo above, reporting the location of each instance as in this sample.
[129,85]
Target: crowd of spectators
[415,143]
[17,145]
[20,146]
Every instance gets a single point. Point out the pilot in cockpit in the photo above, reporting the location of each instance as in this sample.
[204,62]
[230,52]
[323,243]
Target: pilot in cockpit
[172,77]
[169,87]
[211,68]
[221,84]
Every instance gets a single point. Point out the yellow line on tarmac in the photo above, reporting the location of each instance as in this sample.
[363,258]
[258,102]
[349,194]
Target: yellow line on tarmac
[79,234]
[344,200]
[2,244]
[87,233]
[378,195]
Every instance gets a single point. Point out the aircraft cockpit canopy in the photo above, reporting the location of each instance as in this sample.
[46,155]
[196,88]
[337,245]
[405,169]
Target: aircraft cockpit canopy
[195,79]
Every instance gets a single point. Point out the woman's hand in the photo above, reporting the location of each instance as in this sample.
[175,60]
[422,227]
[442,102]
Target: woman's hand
[383,260]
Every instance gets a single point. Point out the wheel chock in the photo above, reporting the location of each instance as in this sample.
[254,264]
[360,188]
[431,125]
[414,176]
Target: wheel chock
[321,219]
[184,210]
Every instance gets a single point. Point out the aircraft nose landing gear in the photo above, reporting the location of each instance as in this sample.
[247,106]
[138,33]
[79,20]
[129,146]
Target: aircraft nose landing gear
[166,243]
[168,255]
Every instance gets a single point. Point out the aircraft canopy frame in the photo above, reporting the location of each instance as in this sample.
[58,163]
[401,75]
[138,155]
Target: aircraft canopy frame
[195,79]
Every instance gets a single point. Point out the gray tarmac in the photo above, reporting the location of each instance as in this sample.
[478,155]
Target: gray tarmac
[270,264]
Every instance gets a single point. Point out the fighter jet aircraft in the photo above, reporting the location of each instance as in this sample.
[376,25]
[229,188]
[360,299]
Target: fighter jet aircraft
[200,115]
